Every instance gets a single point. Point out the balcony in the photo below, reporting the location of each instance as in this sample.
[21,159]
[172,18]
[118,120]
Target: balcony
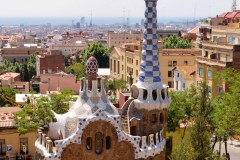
[212,62]
[223,46]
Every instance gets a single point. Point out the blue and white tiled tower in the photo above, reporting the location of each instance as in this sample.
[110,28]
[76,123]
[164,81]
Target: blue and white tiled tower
[149,92]
[150,66]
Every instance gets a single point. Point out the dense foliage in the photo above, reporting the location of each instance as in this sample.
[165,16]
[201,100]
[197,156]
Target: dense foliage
[77,69]
[26,70]
[39,111]
[176,42]
[209,117]
[97,50]
[7,92]
[112,86]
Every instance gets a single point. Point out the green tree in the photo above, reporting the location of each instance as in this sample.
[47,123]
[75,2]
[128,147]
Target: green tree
[202,120]
[97,50]
[183,151]
[39,112]
[176,42]
[77,69]
[227,112]
[192,106]
[114,85]
[180,110]
[7,92]
[26,70]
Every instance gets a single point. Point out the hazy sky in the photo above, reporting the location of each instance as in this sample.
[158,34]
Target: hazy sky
[110,8]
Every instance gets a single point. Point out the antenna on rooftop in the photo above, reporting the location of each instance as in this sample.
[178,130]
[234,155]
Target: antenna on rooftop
[128,18]
[195,8]
[234,5]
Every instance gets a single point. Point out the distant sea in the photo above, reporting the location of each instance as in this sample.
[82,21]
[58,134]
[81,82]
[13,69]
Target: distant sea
[95,20]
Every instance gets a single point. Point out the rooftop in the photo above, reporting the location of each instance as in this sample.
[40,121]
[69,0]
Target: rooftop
[186,71]
[9,75]
[6,116]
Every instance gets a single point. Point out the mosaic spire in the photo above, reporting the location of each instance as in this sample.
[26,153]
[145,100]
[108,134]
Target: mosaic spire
[149,71]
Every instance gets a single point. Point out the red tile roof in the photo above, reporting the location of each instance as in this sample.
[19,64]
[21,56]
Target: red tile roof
[223,15]
[231,14]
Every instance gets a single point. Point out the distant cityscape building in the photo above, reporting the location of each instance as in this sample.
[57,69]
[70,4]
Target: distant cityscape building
[82,21]
[20,54]
[78,25]
[116,39]
[69,49]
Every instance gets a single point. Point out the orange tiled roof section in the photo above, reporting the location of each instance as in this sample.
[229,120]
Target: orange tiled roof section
[234,14]
[186,71]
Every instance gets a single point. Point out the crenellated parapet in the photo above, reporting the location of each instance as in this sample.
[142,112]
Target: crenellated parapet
[44,144]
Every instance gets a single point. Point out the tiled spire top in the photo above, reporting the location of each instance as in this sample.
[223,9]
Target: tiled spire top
[149,71]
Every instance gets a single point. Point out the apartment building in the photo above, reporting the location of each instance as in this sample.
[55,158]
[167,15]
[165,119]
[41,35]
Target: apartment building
[117,38]
[170,58]
[20,54]
[125,62]
[221,51]
[127,59]
[12,80]
[69,49]
[204,32]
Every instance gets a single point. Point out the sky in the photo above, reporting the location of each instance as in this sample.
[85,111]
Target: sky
[111,8]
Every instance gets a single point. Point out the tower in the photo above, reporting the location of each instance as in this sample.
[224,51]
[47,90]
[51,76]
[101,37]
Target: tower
[148,106]
[234,5]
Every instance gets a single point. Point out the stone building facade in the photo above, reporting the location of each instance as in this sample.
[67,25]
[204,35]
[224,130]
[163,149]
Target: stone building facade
[94,129]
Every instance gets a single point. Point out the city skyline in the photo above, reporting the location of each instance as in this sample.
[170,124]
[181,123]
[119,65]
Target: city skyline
[112,8]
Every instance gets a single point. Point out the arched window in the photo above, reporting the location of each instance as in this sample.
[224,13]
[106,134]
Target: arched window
[161,118]
[89,143]
[163,94]
[108,142]
[145,94]
[154,95]
[98,142]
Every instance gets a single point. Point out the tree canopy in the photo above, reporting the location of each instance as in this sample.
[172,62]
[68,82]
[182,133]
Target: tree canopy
[26,70]
[7,92]
[193,107]
[176,42]
[77,69]
[227,111]
[97,50]
[39,112]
